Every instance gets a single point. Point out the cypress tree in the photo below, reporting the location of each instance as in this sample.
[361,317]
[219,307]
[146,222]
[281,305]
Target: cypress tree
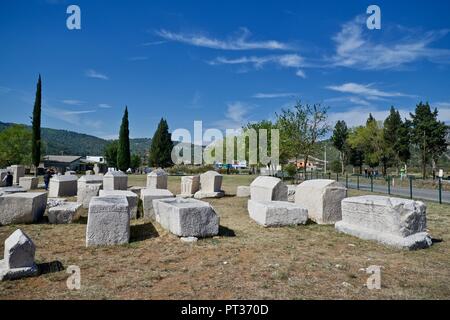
[123,150]
[36,128]
[161,147]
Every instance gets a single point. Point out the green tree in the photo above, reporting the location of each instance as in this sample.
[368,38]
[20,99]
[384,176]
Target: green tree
[257,126]
[161,147]
[428,134]
[135,161]
[339,140]
[36,127]
[123,147]
[397,137]
[15,146]
[110,153]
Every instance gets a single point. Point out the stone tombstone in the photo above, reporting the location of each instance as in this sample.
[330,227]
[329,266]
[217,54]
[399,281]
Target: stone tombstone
[24,207]
[396,222]
[187,217]
[277,213]
[18,171]
[148,195]
[63,186]
[243,192]
[108,221]
[96,169]
[3,173]
[115,180]
[322,198]
[88,186]
[132,199]
[265,188]
[157,179]
[65,213]
[210,185]
[189,185]
[18,259]
[29,183]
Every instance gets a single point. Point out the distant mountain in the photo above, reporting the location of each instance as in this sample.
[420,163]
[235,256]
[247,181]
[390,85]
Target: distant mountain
[72,143]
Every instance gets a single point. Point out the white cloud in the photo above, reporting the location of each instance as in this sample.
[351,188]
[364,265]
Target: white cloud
[301,74]
[69,116]
[366,90]
[153,43]
[73,102]
[274,95]
[356,48]
[237,42]
[235,117]
[284,60]
[104,106]
[96,75]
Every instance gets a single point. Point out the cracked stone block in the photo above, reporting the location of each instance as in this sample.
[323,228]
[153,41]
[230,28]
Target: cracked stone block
[277,213]
[65,213]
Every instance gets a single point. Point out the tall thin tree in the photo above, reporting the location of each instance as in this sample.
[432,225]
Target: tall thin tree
[123,149]
[36,131]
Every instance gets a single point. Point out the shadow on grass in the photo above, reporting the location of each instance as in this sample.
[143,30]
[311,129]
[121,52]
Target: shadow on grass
[142,232]
[226,232]
[436,240]
[50,267]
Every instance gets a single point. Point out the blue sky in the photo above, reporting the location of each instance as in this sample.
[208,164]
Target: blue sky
[223,62]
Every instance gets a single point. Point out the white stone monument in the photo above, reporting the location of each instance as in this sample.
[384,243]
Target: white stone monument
[63,186]
[277,213]
[189,186]
[115,180]
[88,186]
[18,171]
[268,189]
[132,199]
[65,213]
[148,195]
[210,186]
[157,179]
[24,207]
[29,183]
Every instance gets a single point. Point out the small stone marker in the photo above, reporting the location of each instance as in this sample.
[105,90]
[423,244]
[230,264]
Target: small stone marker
[268,189]
[322,198]
[18,171]
[18,259]
[396,222]
[132,199]
[157,179]
[148,195]
[63,186]
[115,180]
[65,213]
[29,183]
[210,185]
[88,186]
[24,207]
[277,213]
[108,221]
[243,192]
[189,186]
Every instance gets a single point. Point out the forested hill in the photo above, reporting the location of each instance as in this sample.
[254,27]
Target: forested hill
[72,143]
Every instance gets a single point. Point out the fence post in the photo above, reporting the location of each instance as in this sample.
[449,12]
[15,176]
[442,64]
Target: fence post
[371,183]
[357,181]
[346,180]
[389,184]
[410,187]
[440,190]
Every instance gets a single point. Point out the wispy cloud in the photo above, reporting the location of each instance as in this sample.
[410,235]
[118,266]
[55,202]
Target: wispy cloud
[96,75]
[153,43]
[366,90]
[239,41]
[235,116]
[104,106]
[69,116]
[274,95]
[356,47]
[301,74]
[73,102]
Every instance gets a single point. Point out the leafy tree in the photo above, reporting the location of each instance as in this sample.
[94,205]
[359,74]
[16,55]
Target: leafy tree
[135,161]
[161,147]
[300,129]
[356,157]
[110,153]
[123,147]
[15,146]
[397,137]
[428,134]
[335,166]
[257,126]
[339,140]
[36,125]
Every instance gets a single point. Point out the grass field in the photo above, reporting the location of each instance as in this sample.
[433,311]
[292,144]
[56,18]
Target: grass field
[246,261]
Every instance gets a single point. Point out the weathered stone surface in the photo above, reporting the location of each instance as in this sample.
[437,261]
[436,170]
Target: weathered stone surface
[63,186]
[322,198]
[132,199]
[277,213]
[157,179]
[108,221]
[27,207]
[148,195]
[291,192]
[210,186]
[29,183]
[136,190]
[187,217]
[268,189]
[53,202]
[243,191]
[18,171]
[64,213]
[18,257]
[115,180]
[88,186]
[189,186]
[11,190]
[395,222]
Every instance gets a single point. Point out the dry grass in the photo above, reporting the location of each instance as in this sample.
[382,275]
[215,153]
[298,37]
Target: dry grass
[245,262]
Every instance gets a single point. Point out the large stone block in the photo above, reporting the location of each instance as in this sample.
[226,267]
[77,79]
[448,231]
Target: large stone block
[29,183]
[210,185]
[63,186]
[157,179]
[268,189]
[132,199]
[64,213]
[11,190]
[115,180]
[88,186]
[277,213]
[322,198]
[148,195]
[243,191]
[18,257]
[189,186]
[187,217]
[396,222]
[108,221]
[27,207]
[18,171]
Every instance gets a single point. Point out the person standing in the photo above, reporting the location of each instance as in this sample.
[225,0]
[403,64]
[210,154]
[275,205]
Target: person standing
[47,177]
[8,179]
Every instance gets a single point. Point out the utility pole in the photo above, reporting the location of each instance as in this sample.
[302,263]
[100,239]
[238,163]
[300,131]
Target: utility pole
[325,159]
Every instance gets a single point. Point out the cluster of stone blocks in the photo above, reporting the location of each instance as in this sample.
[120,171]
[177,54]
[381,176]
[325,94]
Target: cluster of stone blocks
[210,186]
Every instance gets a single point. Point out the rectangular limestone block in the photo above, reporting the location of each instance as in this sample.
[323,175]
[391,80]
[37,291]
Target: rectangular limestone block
[148,195]
[189,185]
[108,221]
[322,198]
[132,199]
[29,183]
[115,180]
[392,221]
[86,192]
[24,207]
[187,217]
[277,213]
[210,182]
[157,179]
[18,171]
[65,213]
[63,186]
[268,189]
